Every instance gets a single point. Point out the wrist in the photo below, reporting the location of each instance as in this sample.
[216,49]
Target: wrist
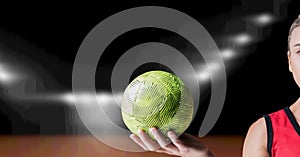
[209,154]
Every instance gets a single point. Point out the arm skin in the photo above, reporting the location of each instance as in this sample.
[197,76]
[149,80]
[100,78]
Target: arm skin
[184,146]
[255,143]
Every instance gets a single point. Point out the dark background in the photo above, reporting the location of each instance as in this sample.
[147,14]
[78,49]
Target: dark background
[45,38]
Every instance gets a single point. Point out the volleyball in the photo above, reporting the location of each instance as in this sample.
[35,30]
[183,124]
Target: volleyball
[157,99]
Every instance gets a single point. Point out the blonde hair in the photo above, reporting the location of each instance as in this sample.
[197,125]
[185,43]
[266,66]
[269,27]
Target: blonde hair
[295,24]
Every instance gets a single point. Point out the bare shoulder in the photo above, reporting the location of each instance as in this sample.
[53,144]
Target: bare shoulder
[255,143]
[258,127]
[257,133]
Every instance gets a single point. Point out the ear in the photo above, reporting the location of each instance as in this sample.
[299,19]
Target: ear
[289,61]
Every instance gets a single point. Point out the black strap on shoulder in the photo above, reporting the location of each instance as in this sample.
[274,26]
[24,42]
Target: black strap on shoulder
[269,133]
[292,119]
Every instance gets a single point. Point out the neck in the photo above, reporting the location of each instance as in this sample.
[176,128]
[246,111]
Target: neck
[295,108]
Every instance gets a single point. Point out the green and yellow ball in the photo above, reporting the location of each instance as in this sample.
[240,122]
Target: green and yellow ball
[157,99]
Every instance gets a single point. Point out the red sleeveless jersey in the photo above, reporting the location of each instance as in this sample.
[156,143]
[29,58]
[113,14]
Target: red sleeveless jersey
[283,134]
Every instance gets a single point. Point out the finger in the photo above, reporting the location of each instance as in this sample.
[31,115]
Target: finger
[159,137]
[150,144]
[176,141]
[161,150]
[162,141]
[137,140]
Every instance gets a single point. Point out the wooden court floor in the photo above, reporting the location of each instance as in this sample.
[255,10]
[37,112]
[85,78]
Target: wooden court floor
[89,146]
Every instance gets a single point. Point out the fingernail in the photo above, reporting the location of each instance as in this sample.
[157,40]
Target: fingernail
[131,136]
[153,130]
[171,133]
[140,131]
